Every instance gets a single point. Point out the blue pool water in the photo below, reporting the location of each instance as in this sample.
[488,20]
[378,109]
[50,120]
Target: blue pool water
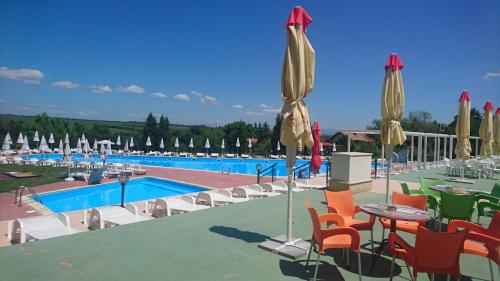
[110,194]
[231,165]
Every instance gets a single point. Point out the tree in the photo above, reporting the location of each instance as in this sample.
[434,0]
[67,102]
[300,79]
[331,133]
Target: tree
[163,130]
[276,134]
[240,130]
[150,130]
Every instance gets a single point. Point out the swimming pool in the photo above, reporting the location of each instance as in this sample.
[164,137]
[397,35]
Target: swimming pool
[227,165]
[110,194]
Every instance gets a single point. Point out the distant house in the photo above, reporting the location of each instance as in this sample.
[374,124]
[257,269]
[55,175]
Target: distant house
[354,136]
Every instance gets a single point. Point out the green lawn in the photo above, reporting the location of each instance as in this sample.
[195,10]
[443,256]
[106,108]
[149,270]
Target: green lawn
[47,174]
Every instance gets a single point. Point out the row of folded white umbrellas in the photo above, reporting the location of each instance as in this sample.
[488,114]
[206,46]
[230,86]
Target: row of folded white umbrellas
[42,227]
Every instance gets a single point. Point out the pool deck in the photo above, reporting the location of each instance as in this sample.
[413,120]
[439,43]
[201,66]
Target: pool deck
[213,180]
[215,244]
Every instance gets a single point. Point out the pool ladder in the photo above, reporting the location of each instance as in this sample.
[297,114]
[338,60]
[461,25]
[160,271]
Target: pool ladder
[227,172]
[19,195]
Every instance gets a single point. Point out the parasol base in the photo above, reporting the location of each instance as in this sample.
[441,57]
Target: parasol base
[294,249]
[461,181]
[69,179]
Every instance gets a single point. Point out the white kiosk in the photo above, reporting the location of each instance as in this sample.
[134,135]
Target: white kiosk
[351,170]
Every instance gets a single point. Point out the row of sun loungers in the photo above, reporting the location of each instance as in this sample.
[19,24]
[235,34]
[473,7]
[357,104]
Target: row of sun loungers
[44,227]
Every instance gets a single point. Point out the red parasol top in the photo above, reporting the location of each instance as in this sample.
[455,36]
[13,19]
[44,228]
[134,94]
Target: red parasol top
[464,96]
[299,16]
[498,111]
[488,106]
[316,156]
[394,62]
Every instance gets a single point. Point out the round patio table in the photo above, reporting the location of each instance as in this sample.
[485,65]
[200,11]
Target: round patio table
[400,212]
[454,189]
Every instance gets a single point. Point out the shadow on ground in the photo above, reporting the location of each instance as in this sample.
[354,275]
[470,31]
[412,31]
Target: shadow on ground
[329,269]
[247,236]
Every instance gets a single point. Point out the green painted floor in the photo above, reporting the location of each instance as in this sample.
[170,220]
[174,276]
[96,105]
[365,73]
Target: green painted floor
[215,244]
[482,184]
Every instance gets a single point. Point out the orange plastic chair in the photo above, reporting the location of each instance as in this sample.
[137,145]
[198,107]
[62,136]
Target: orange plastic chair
[341,202]
[484,242]
[340,237]
[434,252]
[415,201]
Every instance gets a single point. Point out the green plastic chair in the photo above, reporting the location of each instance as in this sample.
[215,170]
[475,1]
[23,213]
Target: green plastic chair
[433,197]
[455,207]
[488,203]
[408,191]
[486,209]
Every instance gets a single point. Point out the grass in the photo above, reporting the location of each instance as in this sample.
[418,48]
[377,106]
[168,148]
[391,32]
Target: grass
[47,174]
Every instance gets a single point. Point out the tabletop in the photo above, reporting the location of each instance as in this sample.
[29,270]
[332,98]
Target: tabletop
[454,189]
[400,212]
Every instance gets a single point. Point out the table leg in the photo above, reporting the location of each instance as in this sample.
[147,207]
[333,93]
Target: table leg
[384,242]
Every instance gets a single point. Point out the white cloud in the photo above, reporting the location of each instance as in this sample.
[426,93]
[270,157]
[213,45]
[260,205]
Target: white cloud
[238,106]
[255,113]
[196,94]
[132,89]
[272,110]
[65,85]
[158,95]
[101,89]
[182,97]
[208,99]
[269,109]
[491,75]
[26,75]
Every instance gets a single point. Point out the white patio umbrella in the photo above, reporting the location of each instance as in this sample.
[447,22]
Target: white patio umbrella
[250,146]
[86,149]
[36,139]
[320,147]
[95,147]
[125,149]
[43,145]
[6,144]
[118,142]
[83,137]
[51,139]
[176,144]
[61,147]
[191,145]
[334,147]
[102,153]
[131,142]
[25,146]
[222,146]
[79,146]
[148,142]
[278,147]
[162,145]
[20,139]
[109,150]
[207,145]
[9,139]
[67,158]
[66,139]
[237,145]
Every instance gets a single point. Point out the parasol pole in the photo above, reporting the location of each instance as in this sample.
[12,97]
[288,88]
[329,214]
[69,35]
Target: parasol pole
[291,151]
[389,149]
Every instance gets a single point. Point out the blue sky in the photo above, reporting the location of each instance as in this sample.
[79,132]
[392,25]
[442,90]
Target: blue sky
[213,62]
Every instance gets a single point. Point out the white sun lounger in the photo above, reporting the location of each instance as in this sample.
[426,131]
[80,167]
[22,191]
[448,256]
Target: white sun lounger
[244,156]
[103,217]
[218,197]
[229,155]
[38,228]
[279,186]
[170,205]
[214,155]
[199,154]
[305,184]
[252,191]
